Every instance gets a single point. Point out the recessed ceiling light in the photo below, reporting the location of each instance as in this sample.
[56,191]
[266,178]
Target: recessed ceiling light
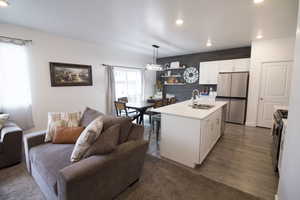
[4,3]
[208,43]
[258,1]
[259,36]
[179,22]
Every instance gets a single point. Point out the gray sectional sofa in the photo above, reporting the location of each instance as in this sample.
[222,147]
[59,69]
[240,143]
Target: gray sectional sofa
[97,177]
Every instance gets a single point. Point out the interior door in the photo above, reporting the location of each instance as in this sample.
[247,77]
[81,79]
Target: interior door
[274,90]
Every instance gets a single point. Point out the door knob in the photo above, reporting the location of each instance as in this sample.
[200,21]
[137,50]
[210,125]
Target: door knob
[261,98]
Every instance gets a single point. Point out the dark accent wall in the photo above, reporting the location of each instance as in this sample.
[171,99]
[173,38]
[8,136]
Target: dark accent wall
[184,92]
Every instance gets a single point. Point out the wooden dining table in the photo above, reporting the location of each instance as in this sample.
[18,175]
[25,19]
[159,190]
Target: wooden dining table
[141,107]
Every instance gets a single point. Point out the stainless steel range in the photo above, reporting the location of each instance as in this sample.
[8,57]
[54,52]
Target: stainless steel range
[277,132]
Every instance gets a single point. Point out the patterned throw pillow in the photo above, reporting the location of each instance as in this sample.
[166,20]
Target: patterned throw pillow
[3,119]
[105,143]
[87,138]
[63,119]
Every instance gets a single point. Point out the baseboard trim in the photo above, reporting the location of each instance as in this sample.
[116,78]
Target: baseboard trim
[253,124]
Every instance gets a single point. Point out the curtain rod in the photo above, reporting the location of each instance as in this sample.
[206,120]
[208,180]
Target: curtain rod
[17,41]
[126,67]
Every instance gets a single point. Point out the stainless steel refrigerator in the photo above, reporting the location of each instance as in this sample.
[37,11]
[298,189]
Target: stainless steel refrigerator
[233,88]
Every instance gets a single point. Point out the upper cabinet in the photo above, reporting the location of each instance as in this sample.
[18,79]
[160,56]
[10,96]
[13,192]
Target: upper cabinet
[208,73]
[225,66]
[241,65]
[209,70]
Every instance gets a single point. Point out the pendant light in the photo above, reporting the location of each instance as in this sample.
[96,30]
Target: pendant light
[4,3]
[154,66]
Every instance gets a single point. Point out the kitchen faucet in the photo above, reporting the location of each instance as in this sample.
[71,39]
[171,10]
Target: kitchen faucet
[195,93]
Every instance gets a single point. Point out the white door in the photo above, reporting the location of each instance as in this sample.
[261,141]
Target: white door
[275,85]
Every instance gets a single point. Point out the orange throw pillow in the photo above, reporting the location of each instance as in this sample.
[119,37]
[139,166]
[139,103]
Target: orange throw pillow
[66,135]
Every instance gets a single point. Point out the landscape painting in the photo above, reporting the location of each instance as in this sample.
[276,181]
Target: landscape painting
[64,74]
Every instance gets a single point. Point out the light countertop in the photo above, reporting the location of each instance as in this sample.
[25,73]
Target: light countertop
[184,110]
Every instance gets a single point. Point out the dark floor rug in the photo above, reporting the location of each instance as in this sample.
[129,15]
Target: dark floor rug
[160,180]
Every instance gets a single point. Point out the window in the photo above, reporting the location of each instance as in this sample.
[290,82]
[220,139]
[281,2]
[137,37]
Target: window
[129,83]
[15,95]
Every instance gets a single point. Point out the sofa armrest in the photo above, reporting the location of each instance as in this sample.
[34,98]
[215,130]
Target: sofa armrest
[103,176]
[8,129]
[11,139]
[31,140]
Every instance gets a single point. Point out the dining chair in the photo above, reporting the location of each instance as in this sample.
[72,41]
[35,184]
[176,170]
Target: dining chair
[121,110]
[125,100]
[156,119]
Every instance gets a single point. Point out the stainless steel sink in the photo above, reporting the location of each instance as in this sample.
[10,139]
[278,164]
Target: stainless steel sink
[202,106]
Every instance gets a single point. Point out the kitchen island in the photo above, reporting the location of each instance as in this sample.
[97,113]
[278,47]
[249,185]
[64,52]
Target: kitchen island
[188,134]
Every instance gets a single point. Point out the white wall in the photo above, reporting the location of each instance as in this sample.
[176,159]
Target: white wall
[264,51]
[48,47]
[289,182]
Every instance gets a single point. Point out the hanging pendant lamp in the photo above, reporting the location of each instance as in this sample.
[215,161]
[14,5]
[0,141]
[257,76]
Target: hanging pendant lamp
[154,66]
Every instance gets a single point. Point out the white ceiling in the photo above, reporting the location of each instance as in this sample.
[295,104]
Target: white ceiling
[137,24]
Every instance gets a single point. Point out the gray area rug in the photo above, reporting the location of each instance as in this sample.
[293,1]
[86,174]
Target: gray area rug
[160,180]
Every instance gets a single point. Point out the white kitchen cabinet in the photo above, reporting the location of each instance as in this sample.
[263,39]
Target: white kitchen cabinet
[188,134]
[225,66]
[209,70]
[210,133]
[208,73]
[241,65]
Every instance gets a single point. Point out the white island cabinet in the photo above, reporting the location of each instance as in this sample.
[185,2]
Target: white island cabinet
[188,134]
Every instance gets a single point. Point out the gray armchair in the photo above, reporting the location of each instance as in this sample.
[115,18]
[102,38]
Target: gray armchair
[96,177]
[10,145]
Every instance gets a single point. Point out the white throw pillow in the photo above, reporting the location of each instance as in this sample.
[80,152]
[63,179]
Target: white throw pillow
[61,119]
[3,119]
[87,138]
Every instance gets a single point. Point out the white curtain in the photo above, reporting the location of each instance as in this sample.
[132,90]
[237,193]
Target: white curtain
[15,94]
[110,91]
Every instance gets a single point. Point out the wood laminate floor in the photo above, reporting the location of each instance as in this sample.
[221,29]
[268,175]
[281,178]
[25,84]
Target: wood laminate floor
[241,159]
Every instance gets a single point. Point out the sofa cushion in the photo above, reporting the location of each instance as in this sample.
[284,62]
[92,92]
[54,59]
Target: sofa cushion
[106,142]
[87,138]
[88,116]
[125,126]
[48,159]
[63,119]
[66,135]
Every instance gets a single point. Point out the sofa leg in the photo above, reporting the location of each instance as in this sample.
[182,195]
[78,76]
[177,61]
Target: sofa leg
[132,184]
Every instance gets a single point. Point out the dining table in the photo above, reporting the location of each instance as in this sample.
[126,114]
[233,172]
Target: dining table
[141,107]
